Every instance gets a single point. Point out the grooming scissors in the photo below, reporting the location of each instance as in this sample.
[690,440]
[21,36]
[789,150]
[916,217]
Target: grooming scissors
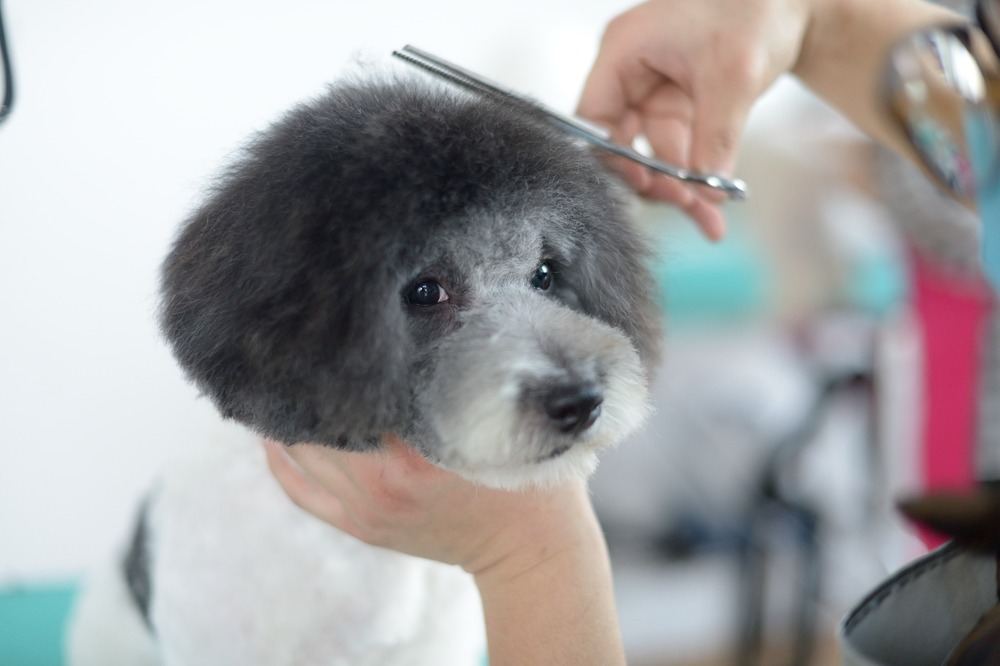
[734,188]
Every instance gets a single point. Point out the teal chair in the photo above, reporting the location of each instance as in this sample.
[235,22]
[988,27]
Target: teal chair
[726,283]
[32,624]
[703,283]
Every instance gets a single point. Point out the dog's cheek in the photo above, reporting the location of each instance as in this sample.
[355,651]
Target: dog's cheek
[465,410]
[367,378]
[578,464]
[415,426]
[612,277]
[627,403]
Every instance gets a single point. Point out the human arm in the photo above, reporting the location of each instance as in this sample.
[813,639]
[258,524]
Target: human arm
[538,556]
[685,75]
[845,51]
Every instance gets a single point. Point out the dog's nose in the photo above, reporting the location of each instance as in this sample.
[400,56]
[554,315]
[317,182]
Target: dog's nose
[573,408]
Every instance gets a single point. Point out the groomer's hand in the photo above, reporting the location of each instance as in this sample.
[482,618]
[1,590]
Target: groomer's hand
[684,73]
[395,499]
[538,557]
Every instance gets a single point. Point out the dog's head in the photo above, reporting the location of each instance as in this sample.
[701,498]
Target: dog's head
[393,257]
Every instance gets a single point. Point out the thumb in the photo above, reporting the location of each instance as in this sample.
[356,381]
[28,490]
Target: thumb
[302,489]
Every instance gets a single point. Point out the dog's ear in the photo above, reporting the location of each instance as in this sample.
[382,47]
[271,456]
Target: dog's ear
[609,270]
[300,353]
[616,285]
[279,302]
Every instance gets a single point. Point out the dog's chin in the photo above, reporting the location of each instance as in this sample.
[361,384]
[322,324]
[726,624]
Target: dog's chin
[518,456]
[578,462]
[494,442]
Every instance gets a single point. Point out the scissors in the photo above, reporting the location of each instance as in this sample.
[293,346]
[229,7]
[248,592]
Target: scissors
[733,188]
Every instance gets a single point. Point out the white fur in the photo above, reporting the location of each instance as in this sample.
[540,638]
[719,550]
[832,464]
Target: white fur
[105,628]
[245,578]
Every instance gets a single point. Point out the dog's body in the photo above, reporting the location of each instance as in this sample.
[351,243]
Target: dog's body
[389,258]
[242,576]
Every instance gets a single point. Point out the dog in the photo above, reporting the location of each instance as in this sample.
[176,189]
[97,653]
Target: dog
[392,256]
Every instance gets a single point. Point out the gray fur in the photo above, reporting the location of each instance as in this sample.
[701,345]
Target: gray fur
[284,296]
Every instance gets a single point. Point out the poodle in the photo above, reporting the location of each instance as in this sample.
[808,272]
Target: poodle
[392,256]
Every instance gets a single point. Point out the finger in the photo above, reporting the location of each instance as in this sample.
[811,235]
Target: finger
[723,98]
[703,211]
[614,81]
[303,490]
[626,94]
[638,177]
[327,466]
[395,447]
[604,102]
[667,128]
[407,467]
[602,99]
[709,218]
[669,117]
[707,215]
[616,86]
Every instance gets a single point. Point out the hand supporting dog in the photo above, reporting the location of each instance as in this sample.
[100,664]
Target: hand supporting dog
[521,545]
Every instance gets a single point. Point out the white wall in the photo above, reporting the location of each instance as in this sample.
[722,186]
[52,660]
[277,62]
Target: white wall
[124,110]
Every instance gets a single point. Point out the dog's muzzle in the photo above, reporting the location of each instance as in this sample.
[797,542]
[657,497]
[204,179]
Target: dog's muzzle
[530,384]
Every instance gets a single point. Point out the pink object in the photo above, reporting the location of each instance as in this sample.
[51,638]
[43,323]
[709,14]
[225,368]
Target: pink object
[952,312]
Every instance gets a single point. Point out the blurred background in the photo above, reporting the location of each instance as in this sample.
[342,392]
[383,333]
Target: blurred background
[823,360]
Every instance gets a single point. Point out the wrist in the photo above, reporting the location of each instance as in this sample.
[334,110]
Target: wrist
[553,603]
[561,521]
[551,537]
[846,33]
[845,49]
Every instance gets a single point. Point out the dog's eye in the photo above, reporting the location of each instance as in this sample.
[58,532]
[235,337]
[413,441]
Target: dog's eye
[426,293]
[542,279]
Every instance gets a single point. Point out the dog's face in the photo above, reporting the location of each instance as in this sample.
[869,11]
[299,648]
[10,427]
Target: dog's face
[395,258]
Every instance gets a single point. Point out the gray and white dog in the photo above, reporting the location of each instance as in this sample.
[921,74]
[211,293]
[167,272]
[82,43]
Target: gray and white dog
[390,257]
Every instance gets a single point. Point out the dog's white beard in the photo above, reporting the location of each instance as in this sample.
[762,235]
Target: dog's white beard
[485,427]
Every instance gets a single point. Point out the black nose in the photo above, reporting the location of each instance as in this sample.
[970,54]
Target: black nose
[573,408]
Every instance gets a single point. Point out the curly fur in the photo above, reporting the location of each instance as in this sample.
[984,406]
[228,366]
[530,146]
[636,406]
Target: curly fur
[284,294]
